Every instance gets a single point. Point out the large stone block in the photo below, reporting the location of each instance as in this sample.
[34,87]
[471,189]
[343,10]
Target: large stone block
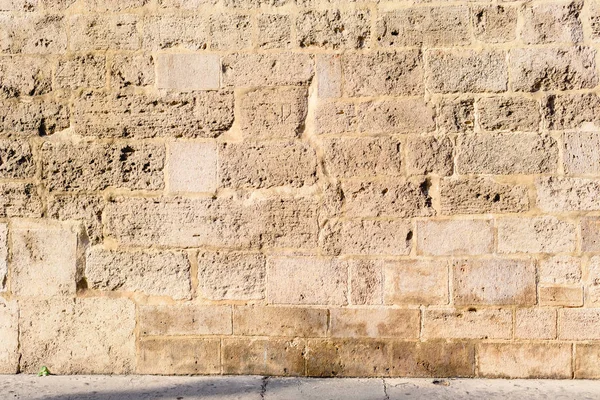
[89,32]
[20,200]
[535,323]
[456,115]
[69,166]
[16,159]
[188,72]
[3,256]
[179,356]
[18,5]
[561,269]
[429,155]
[279,357]
[280,321]
[581,155]
[565,296]
[85,208]
[87,71]
[184,319]
[39,118]
[567,194]
[9,333]
[329,75]
[590,234]
[267,69]
[366,281]
[175,31]
[455,237]
[25,76]
[131,70]
[572,111]
[549,23]
[587,360]
[230,31]
[379,323]
[536,235]
[274,31]
[192,167]
[579,324]
[333,29]
[415,282]
[509,114]
[494,23]
[467,324]
[396,116]
[524,360]
[88,335]
[33,33]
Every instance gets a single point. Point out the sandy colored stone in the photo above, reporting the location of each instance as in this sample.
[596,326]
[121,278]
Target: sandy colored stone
[568,296]
[545,234]
[230,31]
[411,115]
[415,282]
[273,113]
[266,69]
[367,237]
[587,360]
[333,29]
[379,323]
[572,111]
[449,71]
[164,356]
[508,114]
[494,281]
[424,26]
[504,154]
[188,72]
[581,155]
[425,155]
[279,357]
[19,200]
[535,323]
[33,117]
[524,360]
[91,32]
[88,71]
[274,31]
[84,339]
[455,237]
[456,115]
[481,196]
[494,23]
[592,289]
[329,75]
[9,333]
[335,117]
[25,76]
[383,73]
[362,157]
[46,258]
[184,319]
[550,23]
[84,208]
[18,5]
[467,324]
[579,324]
[174,30]
[567,194]
[131,70]
[562,269]
[533,69]
[16,159]
[196,114]
[366,281]
[114,5]
[3,256]
[590,234]
[224,275]
[306,280]
[33,33]
[192,167]
[280,321]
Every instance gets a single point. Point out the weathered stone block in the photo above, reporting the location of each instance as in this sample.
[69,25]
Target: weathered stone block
[534,69]
[36,117]
[172,31]
[46,258]
[307,280]
[273,112]
[69,166]
[450,71]
[91,32]
[87,71]
[197,114]
[560,270]
[85,208]
[335,117]
[279,357]
[567,194]
[151,273]
[16,159]
[131,70]
[33,33]
[524,360]
[508,114]
[192,167]
[396,116]
[587,360]
[264,165]
[415,282]
[481,196]
[267,69]
[333,29]
[424,26]
[536,235]
[579,324]
[384,322]
[383,73]
[83,340]
[567,296]
[581,155]
[274,31]
[494,281]
[3,256]
[467,324]
[113,5]
[433,359]
[19,200]
[9,332]
[25,76]
[572,111]
[165,356]
[535,323]
[455,237]
[549,23]
[592,290]
[425,155]
[230,32]
[494,23]
[366,281]
[280,321]
[224,275]
[184,319]
[590,234]
[503,154]
[329,75]
[188,72]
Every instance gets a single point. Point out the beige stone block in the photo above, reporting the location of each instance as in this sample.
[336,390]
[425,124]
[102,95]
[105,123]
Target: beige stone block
[567,194]
[192,167]
[33,33]
[535,323]
[46,258]
[35,117]
[429,155]
[494,23]
[188,72]
[587,360]
[375,323]
[280,321]
[579,324]
[25,76]
[524,360]
[274,31]
[113,5]
[168,31]
[333,29]
[278,357]
[533,69]
[306,280]
[329,75]
[592,289]
[552,23]
[152,273]
[20,200]
[424,26]
[335,117]
[560,270]
[273,112]
[18,5]
[131,70]
[3,256]
[594,21]
[267,69]
[230,32]
[481,196]
[184,319]
[366,281]
[400,198]
[536,235]
[179,356]
[132,115]
[77,336]
[572,111]
[84,208]
[231,275]
[367,237]
[494,281]
[475,71]
[455,237]
[456,115]
[581,155]
[433,359]
[87,71]
[9,334]
[467,324]
[383,73]
[415,282]
[17,159]
[505,154]
[508,114]
[90,32]
[568,296]
[266,164]
[411,115]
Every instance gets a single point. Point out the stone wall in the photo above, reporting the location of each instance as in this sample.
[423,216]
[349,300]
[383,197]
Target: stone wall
[300,187]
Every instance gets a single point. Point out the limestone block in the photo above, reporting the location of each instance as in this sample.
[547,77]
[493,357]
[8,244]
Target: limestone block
[494,23]
[366,281]
[581,155]
[333,29]
[536,235]
[85,208]
[274,31]
[131,70]
[164,356]
[524,360]
[396,116]
[188,72]
[579,324]
[572,111]
[173,30]
[508,114]
[329,75]
[280,357]
[467,324]
[16,159]
[456,115]
[33,33]
[567,194]
[230,32]
[25,76]
[549,23]
[33,117]
[535,323]
[455,237]
[184,319]
[567,296]
[88,71]
[19,200]
[429,155]
[91,32]
[587,359]
[379,323]
[415,282]
[267,69]
[9,334]
[280,321]
[561,269]
[192,167]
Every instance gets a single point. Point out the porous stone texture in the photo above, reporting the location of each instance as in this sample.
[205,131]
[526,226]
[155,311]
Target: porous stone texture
[300,187]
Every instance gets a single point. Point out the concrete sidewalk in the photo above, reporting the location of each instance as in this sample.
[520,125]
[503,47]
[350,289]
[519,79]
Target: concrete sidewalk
[255,388]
